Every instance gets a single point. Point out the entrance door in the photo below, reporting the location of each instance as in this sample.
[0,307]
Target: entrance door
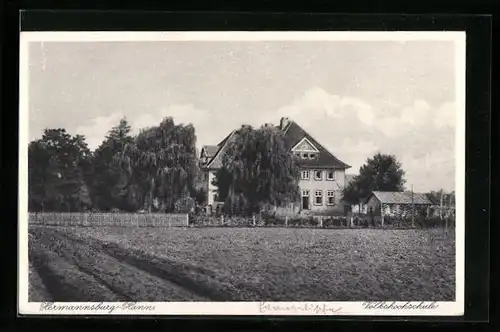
[305,200]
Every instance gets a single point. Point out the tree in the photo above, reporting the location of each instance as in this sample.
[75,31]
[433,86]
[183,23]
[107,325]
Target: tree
[58,166]
[257,170]
[161,163]
[382,172]
[110,185]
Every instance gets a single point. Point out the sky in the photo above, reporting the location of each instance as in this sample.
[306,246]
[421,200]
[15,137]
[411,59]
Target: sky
[356,98]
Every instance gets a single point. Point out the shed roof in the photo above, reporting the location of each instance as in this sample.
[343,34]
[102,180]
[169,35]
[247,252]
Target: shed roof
[395,197]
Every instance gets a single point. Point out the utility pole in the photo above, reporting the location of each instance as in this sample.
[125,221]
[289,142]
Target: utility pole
[441,207]
[412,208]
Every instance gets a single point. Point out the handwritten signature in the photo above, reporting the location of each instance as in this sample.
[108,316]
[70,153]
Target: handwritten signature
[266,307]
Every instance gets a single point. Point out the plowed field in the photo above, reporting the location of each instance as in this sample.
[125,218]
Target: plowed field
[72,264]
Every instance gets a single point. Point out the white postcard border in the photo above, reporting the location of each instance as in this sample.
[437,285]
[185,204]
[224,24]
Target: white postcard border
[417,308]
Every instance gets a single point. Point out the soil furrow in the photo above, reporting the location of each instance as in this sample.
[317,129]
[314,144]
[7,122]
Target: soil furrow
[63,281]
[121,295]
[37,289]
[157,267]
[123,279]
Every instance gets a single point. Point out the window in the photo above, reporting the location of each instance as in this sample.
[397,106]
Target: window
[305,175]
[330,175]
[318,197]
[318,175]
[305,193]
[305,155]
[330,195]
[312,156]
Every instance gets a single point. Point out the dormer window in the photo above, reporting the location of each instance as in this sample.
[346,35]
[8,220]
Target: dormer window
[306,155]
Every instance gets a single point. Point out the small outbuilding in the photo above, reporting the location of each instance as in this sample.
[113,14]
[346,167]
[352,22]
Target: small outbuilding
[397,204]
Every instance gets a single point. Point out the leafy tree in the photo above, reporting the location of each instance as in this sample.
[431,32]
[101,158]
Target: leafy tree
[110,185]
[161,164]
[58,166]
[382,172]
[257,170]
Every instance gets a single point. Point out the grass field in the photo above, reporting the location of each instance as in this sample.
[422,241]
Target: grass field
[240,264]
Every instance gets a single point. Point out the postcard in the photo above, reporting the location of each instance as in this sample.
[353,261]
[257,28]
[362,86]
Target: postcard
[242,173]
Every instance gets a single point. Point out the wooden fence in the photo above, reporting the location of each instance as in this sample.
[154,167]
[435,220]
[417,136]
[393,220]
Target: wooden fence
[109,219]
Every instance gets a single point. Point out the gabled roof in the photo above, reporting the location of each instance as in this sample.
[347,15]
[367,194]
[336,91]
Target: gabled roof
[216,161]
[395,197]
[210,150]
[294,134]
[304,145]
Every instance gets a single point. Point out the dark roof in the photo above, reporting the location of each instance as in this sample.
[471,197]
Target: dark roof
[216,161]
[210,150]
[225,139]
[294,134]
[394,197]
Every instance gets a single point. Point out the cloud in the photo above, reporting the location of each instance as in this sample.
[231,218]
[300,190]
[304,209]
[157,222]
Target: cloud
[98,128]
[416,115]
[445,116]
[355,152]
[418,134]
[316,104]
[433,170]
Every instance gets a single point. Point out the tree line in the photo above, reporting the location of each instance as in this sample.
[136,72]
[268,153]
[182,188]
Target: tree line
[158,170]
[155,170]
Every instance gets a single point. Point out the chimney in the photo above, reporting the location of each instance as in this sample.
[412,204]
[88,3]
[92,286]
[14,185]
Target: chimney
[283,123]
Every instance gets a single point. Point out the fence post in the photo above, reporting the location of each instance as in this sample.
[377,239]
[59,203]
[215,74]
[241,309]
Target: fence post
[321,222]
[253,219]
[286,221]
[222,220]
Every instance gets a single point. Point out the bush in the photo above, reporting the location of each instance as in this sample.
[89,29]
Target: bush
[184,205]
[270,219]
[238,222]
[335,222]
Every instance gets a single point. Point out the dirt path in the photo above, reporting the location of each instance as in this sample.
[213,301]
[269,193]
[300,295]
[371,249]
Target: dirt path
[75,270]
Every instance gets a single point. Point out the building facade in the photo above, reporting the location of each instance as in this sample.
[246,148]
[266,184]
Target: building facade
[322,175]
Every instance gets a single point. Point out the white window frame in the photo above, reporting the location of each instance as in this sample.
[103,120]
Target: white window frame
[316,196]
[297,147]
[330,194]
[305,193]
[321,175]
[303,175]
[328,175]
